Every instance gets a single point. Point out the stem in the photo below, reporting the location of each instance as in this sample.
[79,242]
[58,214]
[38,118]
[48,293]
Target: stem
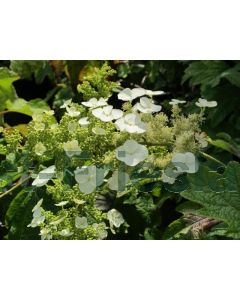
[14,187]
[207,156]
[5,112]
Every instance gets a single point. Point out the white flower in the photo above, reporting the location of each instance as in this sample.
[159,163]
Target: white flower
[176,102]
[118,181]
[115,218]
[167,179]
[38,205]
[40,149]
[107,113]
[81,222]
[44,176]
[58,220]
[153,93]
[38,218]
[129,95]
[62,203]
[84,122]
[66,103]
[94,103]
[98,130]
[131,153]
[185,162]
[45,234]
[72,148]
[131,123]
[72,112]
[204,103]
[146,106]
[170,174]
[101,232]
[65,233]
[202,139]
[88,177]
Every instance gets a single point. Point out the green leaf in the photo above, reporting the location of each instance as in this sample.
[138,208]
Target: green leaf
[227,97]
[146,207]
[176,230]
[8,178]
[220,201]
[233,75]
[19,215]
[204,73]
[7,91]
[231,148]
[188,207]
[29,68]
[27,107]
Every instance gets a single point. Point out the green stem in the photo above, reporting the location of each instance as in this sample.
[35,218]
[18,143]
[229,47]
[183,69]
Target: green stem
[207,156]
[5,112]
[14,187]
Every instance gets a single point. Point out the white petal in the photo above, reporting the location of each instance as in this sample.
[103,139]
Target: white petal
[125,95]
[120,124]
[138,92]
[72,112]
[154,93]
[117,113]
[131,153]
[97,112]
[90,103]
[87,188]
[115,217]
[84,121]
[37,205]
[107,109]
[44,176]
[81,222]
[145,102]
[82,175]
[118,181]
[98,130]
[156,108]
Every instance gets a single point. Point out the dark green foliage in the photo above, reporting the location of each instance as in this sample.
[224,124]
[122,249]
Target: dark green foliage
[27,69]
[219,195]
[19,215]
[152,209]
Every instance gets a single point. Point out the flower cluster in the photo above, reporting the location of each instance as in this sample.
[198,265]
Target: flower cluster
[97,148]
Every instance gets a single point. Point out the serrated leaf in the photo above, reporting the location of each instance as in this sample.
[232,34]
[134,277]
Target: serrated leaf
[204,73]
[188,207]
[233,75]
[222,204]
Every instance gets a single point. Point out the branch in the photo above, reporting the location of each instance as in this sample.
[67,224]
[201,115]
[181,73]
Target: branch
[14,187]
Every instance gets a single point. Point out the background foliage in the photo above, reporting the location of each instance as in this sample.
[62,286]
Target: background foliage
[27,87]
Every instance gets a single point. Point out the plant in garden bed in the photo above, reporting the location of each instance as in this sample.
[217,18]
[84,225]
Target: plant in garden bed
[114,164]
[94,150]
